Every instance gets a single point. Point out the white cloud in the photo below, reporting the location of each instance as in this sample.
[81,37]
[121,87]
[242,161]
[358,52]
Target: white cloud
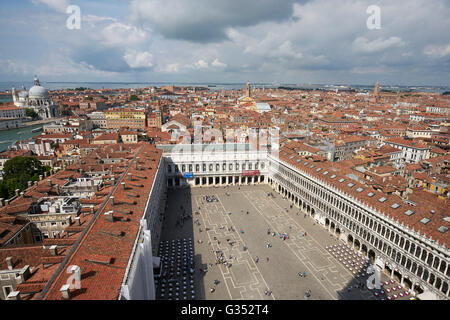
[171,68]
[120,34]
[216,63]
[58,5]
[362,44]
[136,59]
[436,51]
[201,64]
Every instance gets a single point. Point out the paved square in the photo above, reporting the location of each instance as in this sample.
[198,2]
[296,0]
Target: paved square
[215,231]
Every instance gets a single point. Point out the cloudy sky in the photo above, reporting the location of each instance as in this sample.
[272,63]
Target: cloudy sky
[282,41]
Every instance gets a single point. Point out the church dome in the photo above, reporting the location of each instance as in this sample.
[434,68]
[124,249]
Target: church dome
[37,91]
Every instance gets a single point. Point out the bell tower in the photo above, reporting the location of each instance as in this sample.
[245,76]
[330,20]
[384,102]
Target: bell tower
[158,115]
[248,90]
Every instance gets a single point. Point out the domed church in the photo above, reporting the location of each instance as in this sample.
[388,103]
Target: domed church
[37,98]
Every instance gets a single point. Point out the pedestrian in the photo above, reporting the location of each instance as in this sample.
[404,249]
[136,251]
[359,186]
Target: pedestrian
[257,259]
[267,259]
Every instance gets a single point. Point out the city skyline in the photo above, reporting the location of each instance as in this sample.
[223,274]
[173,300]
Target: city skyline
[281,42]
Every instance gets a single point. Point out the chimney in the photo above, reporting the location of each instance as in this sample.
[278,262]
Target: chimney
[13,295]
[109,216]
[6,202]
[22,194]
[65,291]
[17,192]
[30,183]
[77,221]
[123,185]
[36,183]
[2,202]
[130,177]
[76,271]
[40,177]
[54,250]
[103,167]
[58,191]
[45,174]
[49,181]
[91,209]
[9,263]
[112,200]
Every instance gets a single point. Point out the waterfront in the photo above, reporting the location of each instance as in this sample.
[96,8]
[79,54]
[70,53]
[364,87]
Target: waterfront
[9,137]
[6,86]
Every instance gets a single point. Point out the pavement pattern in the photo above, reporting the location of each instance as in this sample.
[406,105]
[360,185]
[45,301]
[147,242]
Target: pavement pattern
[225,226]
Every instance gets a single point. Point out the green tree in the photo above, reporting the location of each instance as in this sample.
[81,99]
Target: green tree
[134,97]
[89,98]
[31,113]
[17,172]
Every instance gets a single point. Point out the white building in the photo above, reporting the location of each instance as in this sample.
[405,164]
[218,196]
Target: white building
[413,152]
[37,99]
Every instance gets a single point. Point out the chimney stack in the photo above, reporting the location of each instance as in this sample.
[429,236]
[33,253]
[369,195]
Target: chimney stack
[45,174]
[76,271]
[130,177]
[54,250]
[109,216]
[9,263]
[40,177]
[91,209]
[77,221]
[58,190]
[17,192]
[6,202]
[123,185]
[30,183]
[13,295]
[112,200]
[2,202]
[65,291]
[49,181]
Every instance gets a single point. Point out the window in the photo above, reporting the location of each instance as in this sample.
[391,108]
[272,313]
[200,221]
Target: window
[341,180]
[350,185]
[409,213]
[371,194]
[395,206]
[7,290]
[382,199]
[424,220]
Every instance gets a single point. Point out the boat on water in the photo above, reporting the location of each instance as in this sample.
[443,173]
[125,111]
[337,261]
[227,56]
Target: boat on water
[37,129]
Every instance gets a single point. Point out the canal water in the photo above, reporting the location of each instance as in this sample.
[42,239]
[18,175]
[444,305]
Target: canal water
[9,137]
